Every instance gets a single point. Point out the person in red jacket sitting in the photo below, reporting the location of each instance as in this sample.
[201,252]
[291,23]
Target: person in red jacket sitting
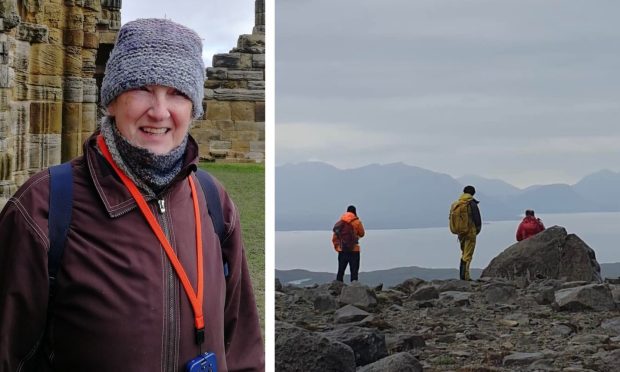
[529,226]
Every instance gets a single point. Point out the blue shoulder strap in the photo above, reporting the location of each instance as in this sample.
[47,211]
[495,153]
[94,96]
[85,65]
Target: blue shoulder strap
[214,206]
[60,205]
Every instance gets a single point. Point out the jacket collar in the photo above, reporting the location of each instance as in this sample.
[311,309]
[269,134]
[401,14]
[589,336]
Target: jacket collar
[111,190]
[348,217]
[468,197]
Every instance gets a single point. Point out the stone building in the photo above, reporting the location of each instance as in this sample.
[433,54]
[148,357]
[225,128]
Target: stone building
[233,127]
[52,58]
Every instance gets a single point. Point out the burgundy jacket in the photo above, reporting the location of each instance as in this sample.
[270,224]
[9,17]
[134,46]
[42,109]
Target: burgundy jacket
[119,305]
[528,227]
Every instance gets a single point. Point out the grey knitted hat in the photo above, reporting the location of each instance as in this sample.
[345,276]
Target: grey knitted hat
[155,52]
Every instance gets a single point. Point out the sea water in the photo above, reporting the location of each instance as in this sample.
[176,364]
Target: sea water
[437,247]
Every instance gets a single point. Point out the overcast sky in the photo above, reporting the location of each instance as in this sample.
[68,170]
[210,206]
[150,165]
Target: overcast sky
[218,22]
[527,91]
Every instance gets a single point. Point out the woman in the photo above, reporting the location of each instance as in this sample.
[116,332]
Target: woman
[129,295]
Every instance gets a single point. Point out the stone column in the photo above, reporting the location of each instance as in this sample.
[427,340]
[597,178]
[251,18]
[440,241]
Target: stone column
[259,17]
[7,129]
[48,92]
[73,84]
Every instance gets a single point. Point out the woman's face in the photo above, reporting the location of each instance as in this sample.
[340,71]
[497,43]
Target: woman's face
[154,117]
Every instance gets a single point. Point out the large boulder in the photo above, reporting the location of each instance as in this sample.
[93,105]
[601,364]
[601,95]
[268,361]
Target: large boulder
[358,295]
[349,313]
[596,297]
[300,350]
[549,254]
[368,344]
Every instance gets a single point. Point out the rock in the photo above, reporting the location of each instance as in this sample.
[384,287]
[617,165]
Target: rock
[499,293]
[551,253]
[358,295]
[511,333]
[607,361]
[592,339]
[400,362]
[403,342]
[588,297]
[457,298]
[324,302]
[349,313]
[390,297]
[508,323]
[446,339]
[545,296]
[335,287]
[573,284]
[477,335]
[562,330]
[425,304]
[373,322]
[425,293]
[409,285]
[522,359]
[278,285]
[612,325]
[300,350]
[368,345]
[615,292]
[542,365]
[455,285]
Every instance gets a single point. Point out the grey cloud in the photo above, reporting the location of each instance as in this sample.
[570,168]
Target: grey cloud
[492,81]
[218,22]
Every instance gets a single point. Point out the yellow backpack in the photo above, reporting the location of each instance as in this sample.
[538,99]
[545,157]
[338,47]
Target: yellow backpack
[460,221]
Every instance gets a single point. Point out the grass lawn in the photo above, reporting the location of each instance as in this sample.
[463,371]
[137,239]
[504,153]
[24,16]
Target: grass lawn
[245,184]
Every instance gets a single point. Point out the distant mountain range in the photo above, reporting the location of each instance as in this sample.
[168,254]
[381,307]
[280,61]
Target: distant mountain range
[392,277]
[312,195]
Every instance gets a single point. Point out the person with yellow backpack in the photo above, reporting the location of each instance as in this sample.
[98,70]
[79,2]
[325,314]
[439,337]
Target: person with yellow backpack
[466,223]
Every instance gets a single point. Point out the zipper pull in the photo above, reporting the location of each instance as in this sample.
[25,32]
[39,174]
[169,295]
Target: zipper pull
[162,206]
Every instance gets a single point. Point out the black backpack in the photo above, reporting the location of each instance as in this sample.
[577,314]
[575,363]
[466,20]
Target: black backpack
[346,235]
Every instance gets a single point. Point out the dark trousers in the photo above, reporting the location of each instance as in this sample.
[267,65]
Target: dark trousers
[348,258]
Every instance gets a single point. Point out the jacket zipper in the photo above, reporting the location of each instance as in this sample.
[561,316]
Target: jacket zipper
[171,299]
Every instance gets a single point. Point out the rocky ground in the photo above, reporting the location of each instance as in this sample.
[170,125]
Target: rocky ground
[524,321]
[453,325]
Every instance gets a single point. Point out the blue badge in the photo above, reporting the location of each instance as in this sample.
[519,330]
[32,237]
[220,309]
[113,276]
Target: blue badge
[203,363]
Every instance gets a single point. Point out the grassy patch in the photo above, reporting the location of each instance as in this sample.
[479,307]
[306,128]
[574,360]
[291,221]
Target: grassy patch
[245,184]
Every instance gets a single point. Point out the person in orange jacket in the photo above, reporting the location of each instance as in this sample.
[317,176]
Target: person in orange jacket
[529,226]
[345,239]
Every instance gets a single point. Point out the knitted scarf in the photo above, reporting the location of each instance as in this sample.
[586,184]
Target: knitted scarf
[149,171]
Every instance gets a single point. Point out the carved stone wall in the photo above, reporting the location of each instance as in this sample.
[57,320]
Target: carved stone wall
[50,54]
[233,127]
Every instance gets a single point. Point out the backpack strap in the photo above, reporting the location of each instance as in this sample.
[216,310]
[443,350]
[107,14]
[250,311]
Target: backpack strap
[214,207]
[59,218]
[61,204]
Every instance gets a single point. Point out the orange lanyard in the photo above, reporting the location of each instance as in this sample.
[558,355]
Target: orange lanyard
[194,298]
